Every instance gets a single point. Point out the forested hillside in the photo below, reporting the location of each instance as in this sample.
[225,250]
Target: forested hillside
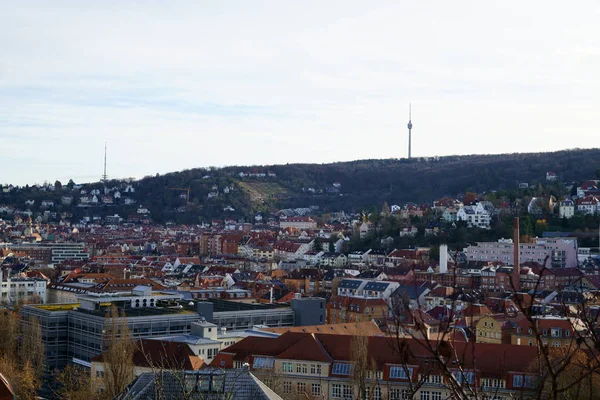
[240,191]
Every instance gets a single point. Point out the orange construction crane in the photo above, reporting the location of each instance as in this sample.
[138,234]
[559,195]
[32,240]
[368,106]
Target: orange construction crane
[187,190]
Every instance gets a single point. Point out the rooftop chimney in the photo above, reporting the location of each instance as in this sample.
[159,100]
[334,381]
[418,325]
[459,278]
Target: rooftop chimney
[516,262]
[443,258]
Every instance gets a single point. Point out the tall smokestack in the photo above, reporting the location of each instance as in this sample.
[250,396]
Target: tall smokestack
[443,258]
[517,267]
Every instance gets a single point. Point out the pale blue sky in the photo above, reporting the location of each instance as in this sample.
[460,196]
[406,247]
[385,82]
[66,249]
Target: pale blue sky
[172,85]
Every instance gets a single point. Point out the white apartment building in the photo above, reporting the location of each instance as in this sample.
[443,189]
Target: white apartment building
[588,205]
[12,290]
[566,209]
[550,252]
[476,216]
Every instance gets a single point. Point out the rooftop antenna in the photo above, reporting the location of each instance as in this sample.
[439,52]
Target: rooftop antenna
[409,127]
[104,176]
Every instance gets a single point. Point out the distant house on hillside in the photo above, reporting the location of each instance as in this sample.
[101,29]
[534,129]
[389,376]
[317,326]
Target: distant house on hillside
[551,176]
[566,209]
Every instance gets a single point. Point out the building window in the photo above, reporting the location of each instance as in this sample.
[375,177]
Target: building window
[374,374]
[435,379]
[341,369]
[373,393]
[401,372]
[315,369]
[492,383]
[436,395]
[301,368]
[263,362]
[518,381]
[287,387]
[301,387]
[316,389]
[528,381]
[464,376]
[399,394]
[336,391]
[287,367]
[348,392]
[425,395]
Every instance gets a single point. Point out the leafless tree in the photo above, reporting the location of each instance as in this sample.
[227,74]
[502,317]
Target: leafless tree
[22,379]
[9,333]
[31,348]
[362,364]
[570,371]
[75,383]
[567,372]
[408,323]
[118,357]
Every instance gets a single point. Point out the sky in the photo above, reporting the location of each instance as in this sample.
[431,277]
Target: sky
[173,85]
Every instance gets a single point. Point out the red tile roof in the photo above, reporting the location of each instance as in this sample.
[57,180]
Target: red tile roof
[491,360]
[163,355]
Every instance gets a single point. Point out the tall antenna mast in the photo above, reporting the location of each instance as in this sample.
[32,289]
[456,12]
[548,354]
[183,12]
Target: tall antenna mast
[409,128]
[104,176]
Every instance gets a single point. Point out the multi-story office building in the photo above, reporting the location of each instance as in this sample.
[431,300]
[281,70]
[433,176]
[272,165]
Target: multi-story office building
[68,251]
[239,316]
[77,331]
[51,253]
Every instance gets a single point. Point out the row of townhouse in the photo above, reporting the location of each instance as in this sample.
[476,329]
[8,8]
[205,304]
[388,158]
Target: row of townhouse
[359,300]
[517,330]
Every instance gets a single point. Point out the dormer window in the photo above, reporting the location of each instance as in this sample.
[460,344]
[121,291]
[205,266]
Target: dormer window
[398,372]
[555,332]
[528,381]
[464,376]
[341,368]
[263,362]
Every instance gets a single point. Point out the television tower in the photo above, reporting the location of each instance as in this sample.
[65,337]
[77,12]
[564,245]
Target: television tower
[104,176]
[409,128]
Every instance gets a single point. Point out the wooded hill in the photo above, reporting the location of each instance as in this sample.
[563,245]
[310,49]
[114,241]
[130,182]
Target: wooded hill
[349,186]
